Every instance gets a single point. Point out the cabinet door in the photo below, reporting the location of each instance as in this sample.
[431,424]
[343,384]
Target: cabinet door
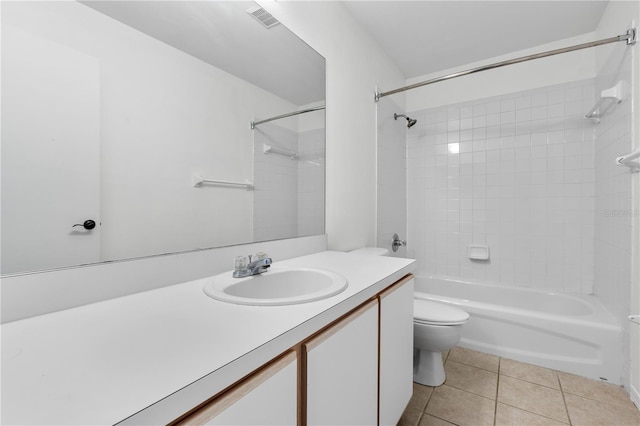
[396,350]
[342,371]
[267,397]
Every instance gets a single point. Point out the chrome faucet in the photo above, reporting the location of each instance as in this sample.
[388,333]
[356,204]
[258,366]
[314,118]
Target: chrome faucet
[252,268]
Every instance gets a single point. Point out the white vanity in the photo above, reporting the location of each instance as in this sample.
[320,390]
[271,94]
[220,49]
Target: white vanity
[176,355]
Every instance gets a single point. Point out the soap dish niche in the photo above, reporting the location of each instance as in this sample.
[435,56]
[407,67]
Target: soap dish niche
[478,252]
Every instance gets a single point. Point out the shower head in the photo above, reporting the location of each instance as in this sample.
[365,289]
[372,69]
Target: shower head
[410,121]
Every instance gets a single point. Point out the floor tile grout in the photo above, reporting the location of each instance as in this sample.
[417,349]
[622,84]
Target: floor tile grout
[533,383]
[564,401]
[499,374]
[474,366]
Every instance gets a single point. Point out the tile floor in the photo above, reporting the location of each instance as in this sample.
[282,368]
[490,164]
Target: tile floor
[483,389]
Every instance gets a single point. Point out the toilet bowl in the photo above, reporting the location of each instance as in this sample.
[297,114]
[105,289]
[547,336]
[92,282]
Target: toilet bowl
[436,329]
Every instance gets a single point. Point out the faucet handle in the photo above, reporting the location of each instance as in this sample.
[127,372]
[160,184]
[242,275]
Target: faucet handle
[241,263]
[261,255]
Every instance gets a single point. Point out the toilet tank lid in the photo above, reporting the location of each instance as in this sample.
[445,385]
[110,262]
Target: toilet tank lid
[430,312]
[371,251]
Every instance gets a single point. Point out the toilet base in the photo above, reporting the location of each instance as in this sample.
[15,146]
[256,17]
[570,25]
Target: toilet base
[428,368]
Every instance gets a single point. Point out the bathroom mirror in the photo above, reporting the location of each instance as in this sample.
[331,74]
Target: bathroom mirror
[126,130]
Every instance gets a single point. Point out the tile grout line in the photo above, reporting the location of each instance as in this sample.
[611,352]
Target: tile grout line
[560,386]
[536,414]
[537,384]
[424,409]
[564,400]
[472,365]
[495,407]
[533,383]
[590,398]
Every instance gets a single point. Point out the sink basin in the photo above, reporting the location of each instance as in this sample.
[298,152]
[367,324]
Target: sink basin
[278,286]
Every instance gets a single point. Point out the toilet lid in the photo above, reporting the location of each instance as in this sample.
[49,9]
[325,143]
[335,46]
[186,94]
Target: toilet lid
[428,312]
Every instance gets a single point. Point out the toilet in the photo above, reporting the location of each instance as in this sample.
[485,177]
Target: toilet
[436,328]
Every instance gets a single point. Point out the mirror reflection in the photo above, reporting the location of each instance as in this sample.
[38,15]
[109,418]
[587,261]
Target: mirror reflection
[137,116]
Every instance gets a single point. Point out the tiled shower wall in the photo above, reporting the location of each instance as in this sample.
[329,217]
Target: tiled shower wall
[311,171]
[515,173]
[276,184]
[289,193]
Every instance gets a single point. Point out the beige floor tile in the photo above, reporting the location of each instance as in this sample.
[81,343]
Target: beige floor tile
[531,397]
[471,379]
[477,359]
[410,417]
[420,396]
[429,420]
[593,389]
[584,411]
[530,373]
[459,407]
[511,416]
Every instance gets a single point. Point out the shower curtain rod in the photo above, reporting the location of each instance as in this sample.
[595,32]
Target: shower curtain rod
[278,117]
[629,37]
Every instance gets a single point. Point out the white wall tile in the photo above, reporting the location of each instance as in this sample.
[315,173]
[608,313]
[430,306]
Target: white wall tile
[521,181]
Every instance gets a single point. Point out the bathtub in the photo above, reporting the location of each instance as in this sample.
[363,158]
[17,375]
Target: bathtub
[565,332]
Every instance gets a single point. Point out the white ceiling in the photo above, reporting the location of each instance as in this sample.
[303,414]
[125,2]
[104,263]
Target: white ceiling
[420,36]
[423,37]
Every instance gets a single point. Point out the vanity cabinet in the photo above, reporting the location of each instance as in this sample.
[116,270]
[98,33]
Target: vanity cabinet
[396,350]
[342,370]
[356,370]
[266,397]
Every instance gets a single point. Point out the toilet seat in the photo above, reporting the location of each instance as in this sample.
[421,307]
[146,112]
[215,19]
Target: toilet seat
[433,313]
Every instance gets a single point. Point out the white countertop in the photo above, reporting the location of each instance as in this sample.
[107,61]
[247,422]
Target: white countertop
[162,351]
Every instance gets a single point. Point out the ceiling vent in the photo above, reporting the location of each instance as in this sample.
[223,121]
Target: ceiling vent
[265,18]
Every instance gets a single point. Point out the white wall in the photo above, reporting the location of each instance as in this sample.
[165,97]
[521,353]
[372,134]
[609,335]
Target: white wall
[549,71]
[613,200]
[392,179]
[618,17]
[355,65]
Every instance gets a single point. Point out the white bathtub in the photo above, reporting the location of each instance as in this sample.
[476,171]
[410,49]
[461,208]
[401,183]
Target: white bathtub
[571,333]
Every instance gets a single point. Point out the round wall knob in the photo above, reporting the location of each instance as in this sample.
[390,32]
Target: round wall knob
[87,224]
